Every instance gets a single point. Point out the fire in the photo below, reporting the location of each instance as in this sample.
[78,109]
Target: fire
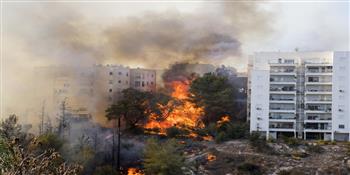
[211,157]
[135,171]
[224,119]
[184,115]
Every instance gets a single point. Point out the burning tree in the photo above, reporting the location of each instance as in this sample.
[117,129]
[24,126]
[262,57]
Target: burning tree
[215,95]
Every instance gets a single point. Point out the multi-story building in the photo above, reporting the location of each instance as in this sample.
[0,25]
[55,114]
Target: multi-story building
[300,94]
[90,89]
[143,79]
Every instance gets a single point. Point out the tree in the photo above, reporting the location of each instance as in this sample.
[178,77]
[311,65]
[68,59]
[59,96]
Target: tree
[131,108]
[10,129]
[163,158]
[215,94]
[25,156]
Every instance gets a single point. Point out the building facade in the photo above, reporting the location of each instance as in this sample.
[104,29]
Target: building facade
[300,94]
[90,89]
[143,79]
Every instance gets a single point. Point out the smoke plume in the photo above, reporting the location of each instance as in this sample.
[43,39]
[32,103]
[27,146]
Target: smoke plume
[47,34]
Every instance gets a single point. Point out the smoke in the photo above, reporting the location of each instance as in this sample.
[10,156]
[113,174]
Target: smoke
[46,34]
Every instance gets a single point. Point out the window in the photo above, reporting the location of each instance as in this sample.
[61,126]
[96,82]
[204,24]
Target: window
[110,90]
[143,84]
[341,126]
[151,82]
[137,84]
[126,82]
[110,73]
[119,81]
[289,61]
[119,73]
[127,74]
[152,75]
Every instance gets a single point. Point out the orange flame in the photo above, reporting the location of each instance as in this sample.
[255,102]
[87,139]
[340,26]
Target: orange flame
[224,119]
[135,171]
[211,157]
[184,115]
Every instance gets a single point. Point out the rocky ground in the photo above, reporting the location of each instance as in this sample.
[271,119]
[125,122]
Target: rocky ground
[239,157]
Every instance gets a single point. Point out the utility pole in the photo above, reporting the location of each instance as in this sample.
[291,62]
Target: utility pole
[113,147]
[41,128]
[118,153]
[62,119]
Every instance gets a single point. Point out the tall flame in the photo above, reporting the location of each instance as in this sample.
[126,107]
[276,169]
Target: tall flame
[135,171]
[186,114]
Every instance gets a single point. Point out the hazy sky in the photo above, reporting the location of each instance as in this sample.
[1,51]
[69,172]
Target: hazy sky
[154,35]
[287,25]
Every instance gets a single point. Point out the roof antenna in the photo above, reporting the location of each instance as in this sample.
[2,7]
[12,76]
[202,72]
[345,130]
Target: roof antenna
[296,49]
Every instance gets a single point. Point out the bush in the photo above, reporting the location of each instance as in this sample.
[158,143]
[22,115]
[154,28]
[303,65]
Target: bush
[250,168]
[259,143]
[105,170]
[173,132]
[291,141]
[163,158]
[50,141]
[315,149]
[221,137]
[236,130]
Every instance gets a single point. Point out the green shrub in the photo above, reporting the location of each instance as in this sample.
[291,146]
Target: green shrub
[221,137]
[250,168]
[315,149]
[173,132]
[50,141]
[259,143]
[236,130]
[291,141]
[105,170]
[163,158]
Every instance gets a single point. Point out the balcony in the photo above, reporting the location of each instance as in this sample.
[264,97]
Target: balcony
[282,126]
[285,71]
[318,110]
[318,127]
[280,89]
[319,117]
[277,109]
[319,100]
[283,101]
[323,70]
[282,118]
[319,80]
[290,80]
[318,91]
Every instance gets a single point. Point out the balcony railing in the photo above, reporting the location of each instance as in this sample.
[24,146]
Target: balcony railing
[291,80]
[318,99]
[281,126]
[282,109]
[319,71]
[282,118]
[282,71]
[319,90]
[282,99]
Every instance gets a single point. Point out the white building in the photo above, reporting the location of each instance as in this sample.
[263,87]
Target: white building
[300,94]
[143,79]
[90,89]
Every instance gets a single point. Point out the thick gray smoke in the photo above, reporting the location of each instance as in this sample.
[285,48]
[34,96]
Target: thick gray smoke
[46,34]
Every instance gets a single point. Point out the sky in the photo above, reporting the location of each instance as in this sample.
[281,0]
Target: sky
[270,26]
[154,34]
